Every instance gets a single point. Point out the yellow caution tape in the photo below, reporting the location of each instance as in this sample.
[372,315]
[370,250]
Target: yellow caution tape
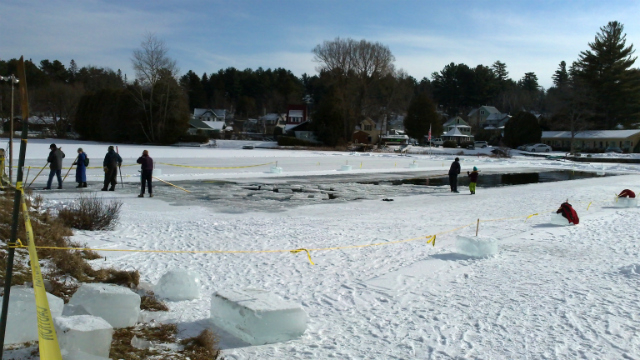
[588,206]
[216,167]
[308,254]
[432,240]
[530,216]
[47,338]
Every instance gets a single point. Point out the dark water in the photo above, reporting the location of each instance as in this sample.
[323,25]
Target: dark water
[497,180]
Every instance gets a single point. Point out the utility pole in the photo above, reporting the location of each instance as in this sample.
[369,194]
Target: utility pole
[14,81]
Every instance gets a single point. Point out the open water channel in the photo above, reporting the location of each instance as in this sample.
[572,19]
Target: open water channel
[284,193]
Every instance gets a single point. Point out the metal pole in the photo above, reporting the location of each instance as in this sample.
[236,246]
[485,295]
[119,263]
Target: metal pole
[16,204]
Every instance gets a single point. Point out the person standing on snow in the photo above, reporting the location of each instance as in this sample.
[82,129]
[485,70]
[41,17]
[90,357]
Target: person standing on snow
[473,179]
[81,169]
[111,163]
[55,160]
[146,163]
[454,170]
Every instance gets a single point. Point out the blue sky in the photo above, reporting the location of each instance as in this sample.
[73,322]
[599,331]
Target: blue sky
[205,36]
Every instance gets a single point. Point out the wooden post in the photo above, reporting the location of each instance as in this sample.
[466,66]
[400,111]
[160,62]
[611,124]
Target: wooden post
[477,227]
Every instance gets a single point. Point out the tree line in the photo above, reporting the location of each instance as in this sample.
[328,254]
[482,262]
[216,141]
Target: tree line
[356,79]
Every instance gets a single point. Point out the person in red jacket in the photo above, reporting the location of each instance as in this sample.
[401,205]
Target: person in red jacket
[146,163]
[626,193]
[473,179]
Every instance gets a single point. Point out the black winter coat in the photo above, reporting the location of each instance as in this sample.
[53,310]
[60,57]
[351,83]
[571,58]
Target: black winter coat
[455,168]
[112,160]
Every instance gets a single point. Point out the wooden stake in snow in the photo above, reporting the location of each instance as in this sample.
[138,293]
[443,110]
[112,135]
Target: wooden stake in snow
[477,227]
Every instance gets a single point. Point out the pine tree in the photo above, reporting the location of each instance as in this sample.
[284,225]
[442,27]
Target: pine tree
[560,77]
[606,68]
[421,116]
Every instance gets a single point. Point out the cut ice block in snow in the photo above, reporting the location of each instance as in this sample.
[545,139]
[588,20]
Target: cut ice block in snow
[626,202]
[22,323]
[478,246]
[89,334]
[257,316]
[276,170]
[80,355]
[345,168]
[116,304]
[178,284]
[558,219]
[413,166]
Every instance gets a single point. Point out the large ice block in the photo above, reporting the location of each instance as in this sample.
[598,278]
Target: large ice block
[476,246]
[558,219]
[178,284]
[84,333]
[22,323]
[118,305]
[80,355]
[257,316]
[626,202]
[71,310]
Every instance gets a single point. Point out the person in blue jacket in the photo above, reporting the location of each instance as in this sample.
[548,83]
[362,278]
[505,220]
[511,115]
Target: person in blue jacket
[81,169]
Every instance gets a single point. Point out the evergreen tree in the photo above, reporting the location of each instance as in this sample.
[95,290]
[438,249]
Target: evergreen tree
[500,70]
[422,116]
[529,82]
[560,77]
[328,119]
[606,68]
[522,129]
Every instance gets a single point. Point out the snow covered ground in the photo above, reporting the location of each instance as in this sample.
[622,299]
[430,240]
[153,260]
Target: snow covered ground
[550,292]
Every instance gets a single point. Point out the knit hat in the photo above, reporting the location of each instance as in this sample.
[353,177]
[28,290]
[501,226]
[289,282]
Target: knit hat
[110,148]
[457,159]
[53,146]
[475,168]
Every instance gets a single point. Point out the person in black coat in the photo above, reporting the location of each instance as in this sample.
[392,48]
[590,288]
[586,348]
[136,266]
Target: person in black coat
[55,160]
[111,163]
[454,170]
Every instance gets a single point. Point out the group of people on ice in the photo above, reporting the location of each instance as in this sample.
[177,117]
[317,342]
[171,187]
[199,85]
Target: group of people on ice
[454,171]
[111,164]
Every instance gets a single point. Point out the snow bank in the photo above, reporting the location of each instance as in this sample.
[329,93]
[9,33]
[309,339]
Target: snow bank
[257,316]
[22,324]
[478,246]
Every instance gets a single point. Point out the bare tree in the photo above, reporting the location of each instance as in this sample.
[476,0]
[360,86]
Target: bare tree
[355,65]
[153,67]
[58,102]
